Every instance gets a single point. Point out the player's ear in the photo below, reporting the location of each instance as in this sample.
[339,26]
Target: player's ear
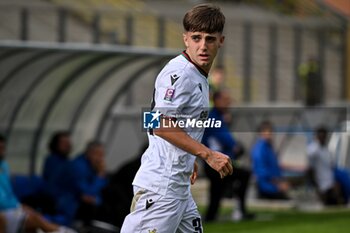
[185,38]
[221,41]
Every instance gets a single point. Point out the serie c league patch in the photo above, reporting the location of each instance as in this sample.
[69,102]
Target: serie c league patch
[169,94]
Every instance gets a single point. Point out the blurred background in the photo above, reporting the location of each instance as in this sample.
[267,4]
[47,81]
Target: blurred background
[88,66]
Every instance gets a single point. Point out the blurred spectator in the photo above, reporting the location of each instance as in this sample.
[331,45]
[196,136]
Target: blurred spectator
[221,139]
[16,216]
[333,184]
[216,81]
[217,78]
[88,178]
[56,162]
[118,194]
[268,173]
[311,81]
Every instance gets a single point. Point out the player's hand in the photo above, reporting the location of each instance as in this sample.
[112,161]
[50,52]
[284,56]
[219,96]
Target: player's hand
[194,175]
[220,163]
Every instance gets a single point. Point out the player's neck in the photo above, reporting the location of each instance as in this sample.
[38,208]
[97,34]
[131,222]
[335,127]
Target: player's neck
[203,71]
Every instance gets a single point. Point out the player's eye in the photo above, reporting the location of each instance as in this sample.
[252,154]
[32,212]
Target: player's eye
[210,39]
[196,38]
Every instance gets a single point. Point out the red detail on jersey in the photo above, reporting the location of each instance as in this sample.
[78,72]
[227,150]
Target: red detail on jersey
[198,68]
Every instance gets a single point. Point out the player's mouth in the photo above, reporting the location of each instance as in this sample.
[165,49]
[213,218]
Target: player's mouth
[204,57]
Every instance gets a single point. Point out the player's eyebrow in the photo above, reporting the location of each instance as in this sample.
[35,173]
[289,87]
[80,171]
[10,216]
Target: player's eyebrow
[196,36]
[209,37]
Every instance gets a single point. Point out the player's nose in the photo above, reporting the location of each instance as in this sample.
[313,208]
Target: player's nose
[203,45]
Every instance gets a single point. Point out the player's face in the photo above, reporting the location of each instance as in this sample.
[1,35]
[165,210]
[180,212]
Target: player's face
[202,47]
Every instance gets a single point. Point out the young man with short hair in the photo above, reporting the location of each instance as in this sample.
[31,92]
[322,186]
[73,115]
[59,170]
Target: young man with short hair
[163,201]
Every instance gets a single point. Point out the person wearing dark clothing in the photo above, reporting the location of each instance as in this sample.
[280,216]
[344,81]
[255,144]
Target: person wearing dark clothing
[77,184]
[88,178]
[267,171]
[312,83]
[119,192]
[46,190]
[221,139]
[56,163]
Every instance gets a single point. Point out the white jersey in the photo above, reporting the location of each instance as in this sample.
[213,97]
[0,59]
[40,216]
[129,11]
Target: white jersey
[321,162]
[181,91]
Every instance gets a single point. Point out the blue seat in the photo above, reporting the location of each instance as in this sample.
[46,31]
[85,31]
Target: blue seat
[24,186]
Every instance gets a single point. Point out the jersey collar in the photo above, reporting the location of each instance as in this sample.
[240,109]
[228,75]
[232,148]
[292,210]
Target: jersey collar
[198,68]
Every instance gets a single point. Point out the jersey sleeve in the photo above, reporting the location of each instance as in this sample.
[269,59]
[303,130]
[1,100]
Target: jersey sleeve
[173,92]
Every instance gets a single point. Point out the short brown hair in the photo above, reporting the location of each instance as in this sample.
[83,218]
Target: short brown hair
[204,18]
[265,125]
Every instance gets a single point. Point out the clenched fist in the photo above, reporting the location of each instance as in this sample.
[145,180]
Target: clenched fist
[220,163]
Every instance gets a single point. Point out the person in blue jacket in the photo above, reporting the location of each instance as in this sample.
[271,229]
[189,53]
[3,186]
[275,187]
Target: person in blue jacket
[221,139]
[268,173]
[88,178]
[56,162]
[17,217]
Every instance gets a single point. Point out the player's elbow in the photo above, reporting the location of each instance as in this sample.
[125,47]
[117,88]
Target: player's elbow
[165,134]
[159,132]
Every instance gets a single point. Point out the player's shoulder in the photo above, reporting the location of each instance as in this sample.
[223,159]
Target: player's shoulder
[180,65]
[177,72]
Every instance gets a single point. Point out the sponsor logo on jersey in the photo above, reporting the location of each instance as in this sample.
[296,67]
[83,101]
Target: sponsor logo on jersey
[204,115]
[149,203]
[174,78]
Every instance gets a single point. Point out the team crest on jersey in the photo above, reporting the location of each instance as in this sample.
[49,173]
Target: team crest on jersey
[152,231]
[169,94]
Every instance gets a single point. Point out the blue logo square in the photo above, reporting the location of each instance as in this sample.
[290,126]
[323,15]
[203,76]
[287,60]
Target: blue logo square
[151,120]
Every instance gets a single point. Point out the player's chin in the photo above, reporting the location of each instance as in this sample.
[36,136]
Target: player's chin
[204,63]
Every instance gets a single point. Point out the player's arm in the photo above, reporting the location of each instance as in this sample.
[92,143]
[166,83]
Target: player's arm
[178,137]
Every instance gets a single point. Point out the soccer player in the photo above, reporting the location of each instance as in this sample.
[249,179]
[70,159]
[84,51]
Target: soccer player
[163,201]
